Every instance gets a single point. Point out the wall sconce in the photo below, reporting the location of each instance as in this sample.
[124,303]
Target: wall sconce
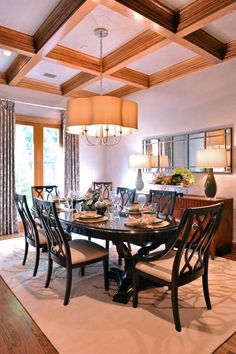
[210,158]
[139,161]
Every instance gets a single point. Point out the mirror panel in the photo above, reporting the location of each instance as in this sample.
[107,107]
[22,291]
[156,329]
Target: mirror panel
[181,149]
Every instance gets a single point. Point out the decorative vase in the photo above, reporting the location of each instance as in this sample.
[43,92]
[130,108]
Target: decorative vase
[210,184]
[102,210]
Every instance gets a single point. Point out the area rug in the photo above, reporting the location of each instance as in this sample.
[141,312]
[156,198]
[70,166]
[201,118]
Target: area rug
[93,324]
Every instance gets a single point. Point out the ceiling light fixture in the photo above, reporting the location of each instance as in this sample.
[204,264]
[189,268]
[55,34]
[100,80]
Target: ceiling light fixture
[101,119]
[7,53]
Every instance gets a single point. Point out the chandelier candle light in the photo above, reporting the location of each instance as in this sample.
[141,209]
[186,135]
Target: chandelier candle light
[101,119]
[139,161]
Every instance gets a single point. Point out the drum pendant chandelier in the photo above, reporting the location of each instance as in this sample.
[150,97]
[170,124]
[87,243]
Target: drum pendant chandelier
[102,120]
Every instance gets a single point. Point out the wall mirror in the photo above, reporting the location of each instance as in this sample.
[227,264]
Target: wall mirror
[181,149]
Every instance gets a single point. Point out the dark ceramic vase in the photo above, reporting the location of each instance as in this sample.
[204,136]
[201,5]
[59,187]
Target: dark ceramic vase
[210,184]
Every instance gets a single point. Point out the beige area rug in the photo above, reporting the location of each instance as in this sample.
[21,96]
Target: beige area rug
[93,324]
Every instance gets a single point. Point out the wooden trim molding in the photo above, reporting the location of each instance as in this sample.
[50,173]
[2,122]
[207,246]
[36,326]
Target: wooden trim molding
[49,122]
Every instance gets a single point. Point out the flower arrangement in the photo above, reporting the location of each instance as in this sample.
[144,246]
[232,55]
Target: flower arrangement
[90,198]
[181,176]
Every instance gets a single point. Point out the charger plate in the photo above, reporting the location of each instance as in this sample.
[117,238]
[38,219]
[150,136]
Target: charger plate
[155,225]
[92,220]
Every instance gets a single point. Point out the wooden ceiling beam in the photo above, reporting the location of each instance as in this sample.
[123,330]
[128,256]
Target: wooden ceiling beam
[40,86]
[16,41]
[202,43]
[73,59]
[66,15]
[200,12]
[231,50]
[179,70]
[152,14]
[143,44]
[17,65]
[131,77]
[77,83]
[82,94]
[3,80]
[156,24]
[123,91]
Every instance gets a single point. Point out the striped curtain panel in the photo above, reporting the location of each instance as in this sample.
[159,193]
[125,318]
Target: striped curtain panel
[71,159]
[8,214]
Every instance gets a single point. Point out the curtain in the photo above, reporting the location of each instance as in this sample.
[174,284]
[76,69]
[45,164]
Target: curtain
[8,214]
[71,159]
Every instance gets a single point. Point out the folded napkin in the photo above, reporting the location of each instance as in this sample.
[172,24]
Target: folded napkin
[147,221]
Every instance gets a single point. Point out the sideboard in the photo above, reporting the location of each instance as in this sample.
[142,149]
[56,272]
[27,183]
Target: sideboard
[222,242]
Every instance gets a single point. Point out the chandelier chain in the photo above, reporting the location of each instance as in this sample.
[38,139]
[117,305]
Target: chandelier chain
[101,66]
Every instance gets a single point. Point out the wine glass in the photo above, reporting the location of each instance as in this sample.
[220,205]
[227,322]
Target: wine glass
[141,199]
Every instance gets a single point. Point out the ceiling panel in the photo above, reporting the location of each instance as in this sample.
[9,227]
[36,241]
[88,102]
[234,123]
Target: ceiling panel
[5,62]
[25,15]
[62,72]
[164,57]
[224,29]
[121,29]
[108,85]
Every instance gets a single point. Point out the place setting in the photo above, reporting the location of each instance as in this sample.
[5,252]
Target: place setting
[89,217]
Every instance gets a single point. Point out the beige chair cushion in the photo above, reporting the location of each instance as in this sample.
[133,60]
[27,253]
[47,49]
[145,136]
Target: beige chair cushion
[162,268]
[42,238]
[84,250]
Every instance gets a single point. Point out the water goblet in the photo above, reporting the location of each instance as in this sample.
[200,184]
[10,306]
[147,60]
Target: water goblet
[142,201]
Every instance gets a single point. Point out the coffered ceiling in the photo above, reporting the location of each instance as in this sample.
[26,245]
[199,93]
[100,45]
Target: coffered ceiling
[55,53]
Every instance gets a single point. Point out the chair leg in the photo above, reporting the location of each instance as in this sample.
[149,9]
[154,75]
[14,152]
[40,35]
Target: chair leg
[107,245]
[82,271]
[206,289]
[119,260]
[106,273]
[135,288]
[68,285]
[26,252]
[36,261]
[49,273]
[175,307]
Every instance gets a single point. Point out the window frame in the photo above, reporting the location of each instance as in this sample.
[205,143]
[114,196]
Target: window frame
[38,124]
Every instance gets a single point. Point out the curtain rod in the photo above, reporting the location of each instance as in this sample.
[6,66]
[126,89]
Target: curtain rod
[40,105]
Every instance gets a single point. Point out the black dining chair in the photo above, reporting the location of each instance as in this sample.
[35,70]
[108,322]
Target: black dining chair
[162,201]
[175,267]
[104,187]
[33,236]
[68,254]
[127,195]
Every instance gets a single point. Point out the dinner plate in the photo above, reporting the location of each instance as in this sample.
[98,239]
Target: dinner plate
[100,219]
[154,225]
[89,216]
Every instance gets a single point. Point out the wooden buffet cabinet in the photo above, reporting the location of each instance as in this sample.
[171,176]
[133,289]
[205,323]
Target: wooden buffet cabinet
[222,242]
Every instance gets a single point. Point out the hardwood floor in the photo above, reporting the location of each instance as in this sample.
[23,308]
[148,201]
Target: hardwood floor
[19,334]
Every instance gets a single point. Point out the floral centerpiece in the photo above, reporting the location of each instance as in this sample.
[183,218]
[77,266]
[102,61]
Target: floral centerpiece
[180,177]
[90,198]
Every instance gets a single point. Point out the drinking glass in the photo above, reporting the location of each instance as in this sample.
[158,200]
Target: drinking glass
[141,199]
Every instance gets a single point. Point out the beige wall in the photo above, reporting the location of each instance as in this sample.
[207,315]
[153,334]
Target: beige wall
[205,99]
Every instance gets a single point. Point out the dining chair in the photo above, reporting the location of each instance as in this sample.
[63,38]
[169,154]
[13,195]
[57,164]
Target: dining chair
[175,267]
[69,254]
[33,236]
[127,195]
[163,201]
[104,187]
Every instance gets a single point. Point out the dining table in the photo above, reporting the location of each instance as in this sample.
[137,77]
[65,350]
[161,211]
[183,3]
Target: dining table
[122,233]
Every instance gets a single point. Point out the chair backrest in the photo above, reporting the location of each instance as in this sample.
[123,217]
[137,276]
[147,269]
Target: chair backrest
[30,228]
[164,201]
[44,192]
[127,195]
[104,187]
[196,231]
[57,242]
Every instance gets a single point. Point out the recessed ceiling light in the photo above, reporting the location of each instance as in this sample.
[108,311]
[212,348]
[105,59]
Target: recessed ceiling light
[7,53]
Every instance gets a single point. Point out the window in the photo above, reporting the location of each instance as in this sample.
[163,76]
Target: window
[38,155]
